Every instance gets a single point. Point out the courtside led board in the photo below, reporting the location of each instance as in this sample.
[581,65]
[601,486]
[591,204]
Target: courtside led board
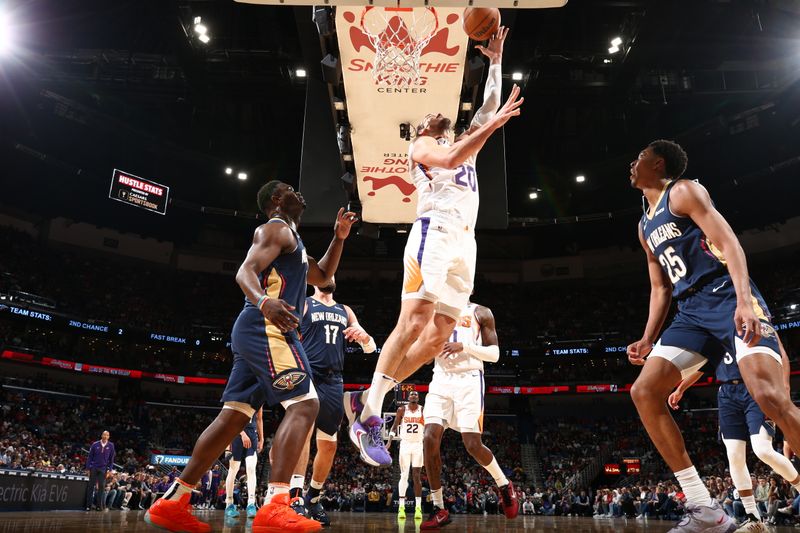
[139,192]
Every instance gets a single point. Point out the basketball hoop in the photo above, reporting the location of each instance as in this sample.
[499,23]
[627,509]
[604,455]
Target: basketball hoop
[398,34]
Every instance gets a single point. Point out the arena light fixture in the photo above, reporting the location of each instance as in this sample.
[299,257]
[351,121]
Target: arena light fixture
[204,38]
[533,195]
[200,29]
[606,61]
[228,171]
[616,41]
[198,20]
[516,76]
[5,34]
[613,50]
[300,73]
[580,179]
[242,176]
[793,307]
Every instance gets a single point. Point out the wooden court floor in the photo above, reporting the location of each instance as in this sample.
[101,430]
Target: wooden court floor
[117,521]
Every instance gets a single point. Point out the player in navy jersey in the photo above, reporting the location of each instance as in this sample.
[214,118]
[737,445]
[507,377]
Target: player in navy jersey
[742,420]
[245,449]
[694,257]
[326,326]
[269,363]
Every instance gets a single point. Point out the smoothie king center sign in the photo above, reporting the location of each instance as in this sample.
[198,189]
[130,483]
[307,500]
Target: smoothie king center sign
[376,110]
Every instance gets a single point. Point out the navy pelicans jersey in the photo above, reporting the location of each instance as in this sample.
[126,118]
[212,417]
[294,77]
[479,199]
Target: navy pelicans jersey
[412,426]
[685,254]
[285,278]
[322,333]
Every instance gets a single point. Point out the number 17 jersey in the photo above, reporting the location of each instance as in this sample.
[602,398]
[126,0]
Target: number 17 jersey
[322,334]
[680,246]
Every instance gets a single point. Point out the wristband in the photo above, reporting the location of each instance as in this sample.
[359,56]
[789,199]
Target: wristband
[261,301]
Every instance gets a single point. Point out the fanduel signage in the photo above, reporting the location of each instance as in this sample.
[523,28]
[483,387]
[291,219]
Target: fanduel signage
[169,460]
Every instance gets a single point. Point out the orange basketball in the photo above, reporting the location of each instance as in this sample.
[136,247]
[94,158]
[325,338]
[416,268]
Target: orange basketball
[480,23]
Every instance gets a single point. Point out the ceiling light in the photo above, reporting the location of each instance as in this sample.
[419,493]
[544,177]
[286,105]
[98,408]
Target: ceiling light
[5,34]
[606,61]
[242,175]
[228,171]
[580,179]
[533,195]
[516,76]
[300,73]
[198,20]
[613,50]
[201,29]
[793,307]
[616,41]
[204,38]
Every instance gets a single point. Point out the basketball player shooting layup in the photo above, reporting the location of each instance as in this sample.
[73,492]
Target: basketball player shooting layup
[694,256]
[439,258]
[455,400]
[269,364]
[408,426]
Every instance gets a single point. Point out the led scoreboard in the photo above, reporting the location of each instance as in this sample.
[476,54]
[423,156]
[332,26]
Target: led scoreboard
[139,192]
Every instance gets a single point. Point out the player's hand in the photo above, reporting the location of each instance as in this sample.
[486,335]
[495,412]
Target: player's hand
[260,445]
[509,109]
[280,314]
[344,221]
[638,351]
[674,399]
[748,326]
[356,334]
[452,349]
[246,442]
[494,51]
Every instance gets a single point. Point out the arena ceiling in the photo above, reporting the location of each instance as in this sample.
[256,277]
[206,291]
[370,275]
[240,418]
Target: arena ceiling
[94,85]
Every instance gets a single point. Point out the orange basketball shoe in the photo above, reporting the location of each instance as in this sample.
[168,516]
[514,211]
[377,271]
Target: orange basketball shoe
[175,515]
[278,517]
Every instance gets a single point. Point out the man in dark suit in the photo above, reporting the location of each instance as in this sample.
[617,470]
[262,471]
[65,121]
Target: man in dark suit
[100,461]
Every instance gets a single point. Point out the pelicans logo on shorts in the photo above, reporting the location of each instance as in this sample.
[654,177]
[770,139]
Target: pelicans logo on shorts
[289,379]
[767,330]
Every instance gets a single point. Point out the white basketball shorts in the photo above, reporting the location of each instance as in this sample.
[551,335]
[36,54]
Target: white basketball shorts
[455,400]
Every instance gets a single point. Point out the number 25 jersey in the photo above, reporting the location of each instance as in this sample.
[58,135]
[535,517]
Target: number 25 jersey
[686,255]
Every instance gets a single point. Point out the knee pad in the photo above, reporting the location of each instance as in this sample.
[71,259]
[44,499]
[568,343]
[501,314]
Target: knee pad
[737,460]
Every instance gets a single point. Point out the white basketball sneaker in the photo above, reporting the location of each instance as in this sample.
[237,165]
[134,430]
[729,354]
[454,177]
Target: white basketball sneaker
[707,518]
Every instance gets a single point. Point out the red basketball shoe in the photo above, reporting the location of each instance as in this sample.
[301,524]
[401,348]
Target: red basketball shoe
[510,501]
[278,516]
[175,515]
[437,519]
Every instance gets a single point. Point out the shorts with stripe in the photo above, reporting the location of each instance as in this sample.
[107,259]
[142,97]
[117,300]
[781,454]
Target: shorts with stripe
[455,401]
[268,366]
[439,263]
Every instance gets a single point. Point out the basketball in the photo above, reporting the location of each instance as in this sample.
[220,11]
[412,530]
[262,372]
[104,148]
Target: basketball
[480,23]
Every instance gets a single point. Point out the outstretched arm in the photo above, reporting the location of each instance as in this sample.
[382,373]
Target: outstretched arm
[494,81]
[430,153]
[320,272]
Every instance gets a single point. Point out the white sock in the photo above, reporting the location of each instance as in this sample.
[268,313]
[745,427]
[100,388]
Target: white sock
[438,498]
[693,487]
[497,473]
[274,489]
[402,502]
[178,489]
[297,482]
[750,506]
[250,465]
[418,502]
[373,404]
[316,485]
[230,480]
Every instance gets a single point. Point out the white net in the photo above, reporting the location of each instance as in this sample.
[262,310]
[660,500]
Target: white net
[398,35]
